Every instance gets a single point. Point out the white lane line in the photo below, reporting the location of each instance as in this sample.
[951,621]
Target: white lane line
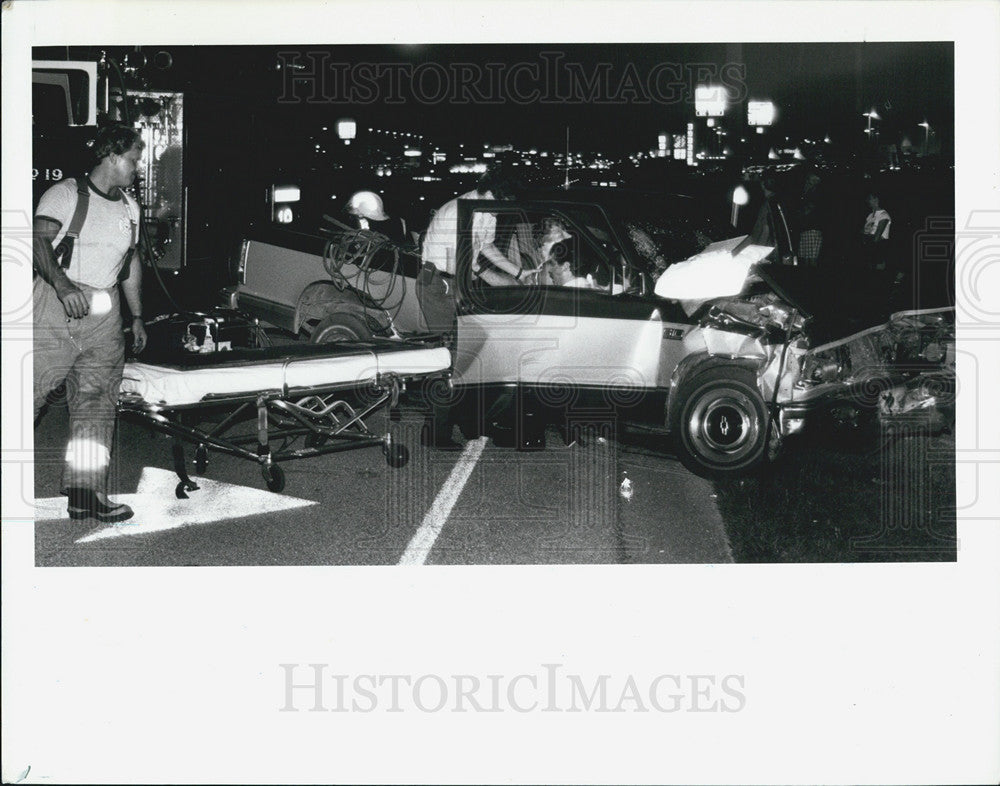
[423,540]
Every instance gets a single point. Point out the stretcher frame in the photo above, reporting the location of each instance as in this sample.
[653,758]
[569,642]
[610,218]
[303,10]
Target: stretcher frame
[329,422]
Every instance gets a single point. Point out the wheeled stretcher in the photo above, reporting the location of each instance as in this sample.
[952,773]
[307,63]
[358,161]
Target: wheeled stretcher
[294,391]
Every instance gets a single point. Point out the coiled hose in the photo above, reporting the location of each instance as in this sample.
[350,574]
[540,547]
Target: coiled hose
[363,250]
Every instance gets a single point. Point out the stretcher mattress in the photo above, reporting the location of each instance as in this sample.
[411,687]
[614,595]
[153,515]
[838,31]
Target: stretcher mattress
[186,380]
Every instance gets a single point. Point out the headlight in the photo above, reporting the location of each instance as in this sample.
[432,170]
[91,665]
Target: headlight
[817,370]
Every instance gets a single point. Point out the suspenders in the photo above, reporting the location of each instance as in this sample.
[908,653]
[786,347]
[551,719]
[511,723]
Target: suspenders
[64,249]
[133,242]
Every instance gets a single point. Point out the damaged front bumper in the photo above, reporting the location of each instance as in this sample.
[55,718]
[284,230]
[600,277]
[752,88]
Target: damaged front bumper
[899,368]
[904,366]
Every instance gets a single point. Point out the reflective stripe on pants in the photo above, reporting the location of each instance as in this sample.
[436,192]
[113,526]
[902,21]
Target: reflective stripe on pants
[88,354]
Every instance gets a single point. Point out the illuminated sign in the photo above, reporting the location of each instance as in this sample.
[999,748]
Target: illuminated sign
[285,194]
[464,169]
[281,199]
[347,129]
[709,101]
[690,144]
[760,113]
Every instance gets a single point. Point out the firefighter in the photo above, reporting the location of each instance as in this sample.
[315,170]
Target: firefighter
[92,223]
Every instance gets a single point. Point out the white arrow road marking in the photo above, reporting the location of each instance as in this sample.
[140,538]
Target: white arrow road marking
[423,541]
[157,508]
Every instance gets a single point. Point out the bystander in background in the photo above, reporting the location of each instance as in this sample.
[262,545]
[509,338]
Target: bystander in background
[810,215]
[875,235]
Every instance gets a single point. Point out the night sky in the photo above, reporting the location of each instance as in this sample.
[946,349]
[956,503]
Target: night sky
[614,97]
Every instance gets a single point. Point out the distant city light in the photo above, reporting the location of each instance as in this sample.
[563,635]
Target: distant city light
[467,169]
[347,129]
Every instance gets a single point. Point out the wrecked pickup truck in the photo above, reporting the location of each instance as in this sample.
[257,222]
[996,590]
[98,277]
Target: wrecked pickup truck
[637,318]
[723,349]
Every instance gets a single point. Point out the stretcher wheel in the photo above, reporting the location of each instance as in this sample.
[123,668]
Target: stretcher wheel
[397,456]
[200,459]
[274,476]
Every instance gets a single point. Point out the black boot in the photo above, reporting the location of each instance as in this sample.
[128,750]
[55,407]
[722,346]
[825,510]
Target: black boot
[85,503]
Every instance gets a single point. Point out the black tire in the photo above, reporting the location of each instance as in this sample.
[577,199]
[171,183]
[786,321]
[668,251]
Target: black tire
[200,459]
[274,476]
[340,327]
[397,456]
[720,424]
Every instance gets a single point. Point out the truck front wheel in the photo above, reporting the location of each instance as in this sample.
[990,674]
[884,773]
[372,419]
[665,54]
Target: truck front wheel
[340,327]
[721,423]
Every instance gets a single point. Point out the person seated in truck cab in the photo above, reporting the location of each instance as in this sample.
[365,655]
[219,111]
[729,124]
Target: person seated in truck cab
[565,266]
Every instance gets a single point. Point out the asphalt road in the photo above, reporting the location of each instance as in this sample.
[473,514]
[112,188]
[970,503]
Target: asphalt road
[478,506]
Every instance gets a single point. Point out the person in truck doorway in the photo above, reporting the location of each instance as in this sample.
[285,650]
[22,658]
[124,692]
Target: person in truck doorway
[85,235]
[436,281]
[435,285]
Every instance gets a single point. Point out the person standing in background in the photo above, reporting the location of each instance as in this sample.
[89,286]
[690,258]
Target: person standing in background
[365,210]
[875,235]
[810,215]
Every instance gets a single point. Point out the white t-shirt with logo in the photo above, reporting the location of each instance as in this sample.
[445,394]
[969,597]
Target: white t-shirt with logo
[875,218]
[105,236]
